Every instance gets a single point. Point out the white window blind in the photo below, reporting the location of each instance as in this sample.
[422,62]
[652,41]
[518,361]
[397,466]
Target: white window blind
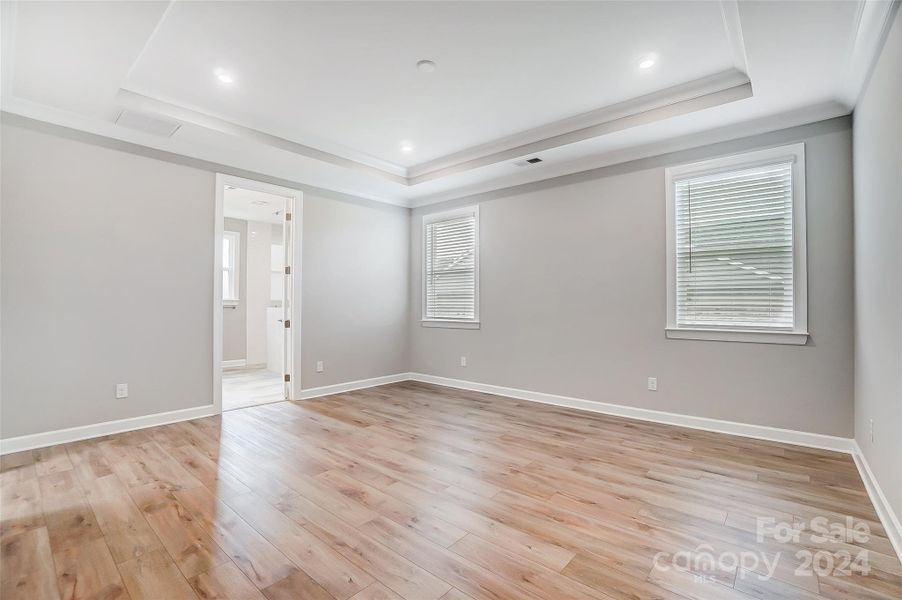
[734,249]
[451,265]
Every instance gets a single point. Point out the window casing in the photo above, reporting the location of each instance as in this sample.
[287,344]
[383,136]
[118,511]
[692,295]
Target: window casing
[736,248]
[231,252]
[451,269]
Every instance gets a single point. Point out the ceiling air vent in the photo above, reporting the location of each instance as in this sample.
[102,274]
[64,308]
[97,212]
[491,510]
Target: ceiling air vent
[147,123]
[529,161]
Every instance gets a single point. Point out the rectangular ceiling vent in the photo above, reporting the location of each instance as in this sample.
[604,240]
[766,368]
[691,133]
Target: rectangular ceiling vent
[529,161]
[147,123]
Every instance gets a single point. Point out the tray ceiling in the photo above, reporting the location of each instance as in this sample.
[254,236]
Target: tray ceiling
[329,93]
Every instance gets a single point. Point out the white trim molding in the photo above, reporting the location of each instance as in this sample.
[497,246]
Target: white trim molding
[762,432]
[239,363]
[84,432]
[873,22]
[445,324]
[350,386]
[888,517]
[426,321]
[294,243]
[797,338]
[798,334]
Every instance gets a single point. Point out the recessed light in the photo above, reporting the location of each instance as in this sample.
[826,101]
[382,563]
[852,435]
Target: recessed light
[426,66]
[406,147]
[224,76]
[648,62]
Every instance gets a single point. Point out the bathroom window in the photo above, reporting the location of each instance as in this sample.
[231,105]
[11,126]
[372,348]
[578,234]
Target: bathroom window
[231,243]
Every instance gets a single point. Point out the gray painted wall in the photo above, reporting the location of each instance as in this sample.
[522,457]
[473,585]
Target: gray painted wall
[878,269]
[355,288]
[573,298]
[601,338]
[107,278]
[234,319]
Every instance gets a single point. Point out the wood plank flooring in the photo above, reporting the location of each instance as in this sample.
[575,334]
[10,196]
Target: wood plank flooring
[418,492]
[250,386]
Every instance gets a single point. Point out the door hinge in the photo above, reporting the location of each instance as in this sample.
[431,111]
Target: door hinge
[287,323]
[287,377]
[288,216]
[288,269]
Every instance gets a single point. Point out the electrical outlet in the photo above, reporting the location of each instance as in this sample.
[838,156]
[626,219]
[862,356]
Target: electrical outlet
[319,366]
[871,430]
[121,390]
[463,361]
[653,384]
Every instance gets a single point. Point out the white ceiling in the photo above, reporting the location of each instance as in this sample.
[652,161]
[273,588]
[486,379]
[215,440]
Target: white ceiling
[326,92]
[251,205]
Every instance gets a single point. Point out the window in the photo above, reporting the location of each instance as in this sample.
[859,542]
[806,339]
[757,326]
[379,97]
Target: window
[736,248]
[231,244]
[451,269]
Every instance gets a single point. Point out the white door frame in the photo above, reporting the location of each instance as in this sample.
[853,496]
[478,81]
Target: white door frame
[295,207]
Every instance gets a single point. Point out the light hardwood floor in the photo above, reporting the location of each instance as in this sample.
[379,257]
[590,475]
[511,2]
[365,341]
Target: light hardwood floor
[425,493]
[249,387]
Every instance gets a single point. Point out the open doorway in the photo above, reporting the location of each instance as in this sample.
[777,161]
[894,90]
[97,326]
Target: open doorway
[255,290]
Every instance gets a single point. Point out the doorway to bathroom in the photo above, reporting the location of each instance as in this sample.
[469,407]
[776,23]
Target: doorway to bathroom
[256,287]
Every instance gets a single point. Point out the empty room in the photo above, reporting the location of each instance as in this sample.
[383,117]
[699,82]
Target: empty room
[365,300]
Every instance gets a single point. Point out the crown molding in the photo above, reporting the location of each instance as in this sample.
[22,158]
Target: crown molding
[729,10]
[715,90]
[873,22]
[707,92]
[650,155]
[350,159]
[20,113]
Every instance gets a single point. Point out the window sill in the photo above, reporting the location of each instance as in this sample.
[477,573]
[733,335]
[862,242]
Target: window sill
[230,304]
[450,324]
[795,338]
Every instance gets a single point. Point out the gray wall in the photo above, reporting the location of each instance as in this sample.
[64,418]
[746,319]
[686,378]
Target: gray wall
[79,217]
[107,278]
[573,298]
[234,318]
[878,269]
[355,288]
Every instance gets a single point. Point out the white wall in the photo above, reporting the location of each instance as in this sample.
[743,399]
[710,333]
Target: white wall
[234,318]
[572,281]
[107,266]
[257,278]
[878,268]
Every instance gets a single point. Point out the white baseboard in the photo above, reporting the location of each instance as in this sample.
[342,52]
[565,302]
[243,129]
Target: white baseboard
[74,434]
[349,386]
[775,434]
[885,511]
[239,363]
